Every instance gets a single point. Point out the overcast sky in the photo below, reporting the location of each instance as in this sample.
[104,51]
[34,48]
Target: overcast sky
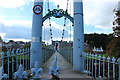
[16,18]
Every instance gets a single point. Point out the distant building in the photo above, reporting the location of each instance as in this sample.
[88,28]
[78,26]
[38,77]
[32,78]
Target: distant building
[20,43]
[98,50]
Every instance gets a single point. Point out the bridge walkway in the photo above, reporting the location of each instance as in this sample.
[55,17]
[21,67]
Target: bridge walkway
[66,69]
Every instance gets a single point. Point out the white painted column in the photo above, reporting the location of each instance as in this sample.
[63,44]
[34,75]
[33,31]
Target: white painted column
[78,43]
[36,44]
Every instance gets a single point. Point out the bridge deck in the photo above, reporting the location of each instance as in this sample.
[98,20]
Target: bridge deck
[66,69]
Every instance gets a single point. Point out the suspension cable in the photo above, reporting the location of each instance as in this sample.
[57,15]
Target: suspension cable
[50,29]
[70,23]
[48,5]
[67,5]
[64,22]
[63,29]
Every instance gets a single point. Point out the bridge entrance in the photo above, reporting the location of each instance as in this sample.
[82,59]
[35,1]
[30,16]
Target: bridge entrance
[78,41]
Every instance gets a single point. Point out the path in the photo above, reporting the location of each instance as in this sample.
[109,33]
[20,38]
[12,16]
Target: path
[66,70]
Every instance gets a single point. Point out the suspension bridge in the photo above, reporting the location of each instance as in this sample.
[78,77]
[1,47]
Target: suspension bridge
[64,60]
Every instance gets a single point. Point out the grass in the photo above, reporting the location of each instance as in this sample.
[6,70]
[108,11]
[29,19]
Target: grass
[21,57]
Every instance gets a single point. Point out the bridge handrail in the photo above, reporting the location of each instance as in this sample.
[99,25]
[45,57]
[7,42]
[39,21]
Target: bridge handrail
[99,66]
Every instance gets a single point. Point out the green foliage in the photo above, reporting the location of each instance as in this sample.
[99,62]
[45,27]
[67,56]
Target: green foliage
[27,45]
[116,24]
[11,41]
[114,47]
[97,40]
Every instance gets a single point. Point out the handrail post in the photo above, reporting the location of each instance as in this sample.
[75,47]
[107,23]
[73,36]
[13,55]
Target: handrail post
[108,59]
[92,63]
[103,67]
[12,62]
[17,59]
[8,56]
[113,60]
[119,67]
[3,55]
[99,66]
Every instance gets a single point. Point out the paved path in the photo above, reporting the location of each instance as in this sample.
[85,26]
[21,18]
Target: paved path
[66,70]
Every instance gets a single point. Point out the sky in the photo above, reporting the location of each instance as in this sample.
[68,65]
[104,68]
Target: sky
[16,19]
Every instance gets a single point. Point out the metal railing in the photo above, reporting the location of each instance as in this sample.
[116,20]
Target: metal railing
[46,54]
[101,67]
[97,66]
[12,59]
[67,53]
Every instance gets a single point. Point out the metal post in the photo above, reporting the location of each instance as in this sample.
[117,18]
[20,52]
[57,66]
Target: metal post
[17,59]
[87,63]
[99,65]
[23,58]
[95,64]
[3,55]
[78,44]
[8,67]
[113,60]
[108,59]
[26,59]
[103,67]
[12,62]
[8,56]
[92,63]
[119,67]
[20,55]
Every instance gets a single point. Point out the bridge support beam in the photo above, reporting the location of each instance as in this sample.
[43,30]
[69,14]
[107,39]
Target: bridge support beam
[78,43]
[36,42]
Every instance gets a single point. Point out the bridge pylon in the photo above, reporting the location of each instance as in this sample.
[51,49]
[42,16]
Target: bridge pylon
[36,42]
[78,41]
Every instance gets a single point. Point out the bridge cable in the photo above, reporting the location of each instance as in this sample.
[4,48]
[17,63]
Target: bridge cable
[50,29]
[48,5]
[43,24]
[67,5]
[64,21]
[70,23]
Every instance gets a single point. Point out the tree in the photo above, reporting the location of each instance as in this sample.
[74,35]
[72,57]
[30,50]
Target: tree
[11,41]
[114,46]
[97,40]
[116,23]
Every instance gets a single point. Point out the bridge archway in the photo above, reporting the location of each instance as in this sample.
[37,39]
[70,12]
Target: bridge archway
[78,41]
[58,14]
